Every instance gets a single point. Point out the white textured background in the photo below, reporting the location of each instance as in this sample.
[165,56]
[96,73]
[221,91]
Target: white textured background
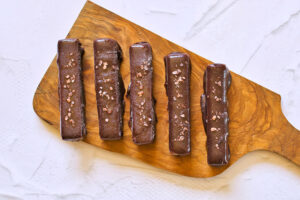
[259,39]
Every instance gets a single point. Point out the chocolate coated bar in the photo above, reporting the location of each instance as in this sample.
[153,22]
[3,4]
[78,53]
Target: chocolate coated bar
[177,85]
[109,88]
[70,87]
[142,113]
[214,107]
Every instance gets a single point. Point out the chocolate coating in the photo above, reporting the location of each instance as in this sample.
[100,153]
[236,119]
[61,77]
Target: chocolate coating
[142,114]
[214,106]
[109,88]
[70,88]
[178,69]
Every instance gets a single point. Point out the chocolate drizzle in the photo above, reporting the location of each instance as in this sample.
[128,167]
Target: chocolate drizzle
[178,69]
[214,106]
[109,88]
[142,115]
[71,96]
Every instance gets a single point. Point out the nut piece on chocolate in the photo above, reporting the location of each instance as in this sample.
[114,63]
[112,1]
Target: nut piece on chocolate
[215,117]
[178,69]
[142,114]
[109,88]
[70,88]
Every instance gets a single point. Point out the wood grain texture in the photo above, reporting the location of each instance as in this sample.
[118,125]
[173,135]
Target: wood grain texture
[256,119]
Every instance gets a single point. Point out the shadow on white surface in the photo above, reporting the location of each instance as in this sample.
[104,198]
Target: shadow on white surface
[89,154]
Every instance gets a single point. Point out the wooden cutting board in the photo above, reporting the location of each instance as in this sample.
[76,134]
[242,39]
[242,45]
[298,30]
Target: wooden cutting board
[256,119]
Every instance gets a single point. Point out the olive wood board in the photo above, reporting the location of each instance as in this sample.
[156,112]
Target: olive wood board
[256,119]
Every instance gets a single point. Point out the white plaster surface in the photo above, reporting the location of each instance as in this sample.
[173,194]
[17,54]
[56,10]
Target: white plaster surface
[259,39]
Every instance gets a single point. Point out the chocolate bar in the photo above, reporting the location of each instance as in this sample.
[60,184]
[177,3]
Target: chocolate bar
[178,69]
[70,87]
[214,106]
[142,115]
[109,88]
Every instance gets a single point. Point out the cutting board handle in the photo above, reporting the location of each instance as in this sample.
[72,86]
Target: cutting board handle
[279,136]
[287,140]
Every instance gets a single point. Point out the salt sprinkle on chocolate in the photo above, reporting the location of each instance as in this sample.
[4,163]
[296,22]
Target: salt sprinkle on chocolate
[181,138]
[218,99]
[213,129]
[140,93]
[218,83]
[176,72]
[105,65]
